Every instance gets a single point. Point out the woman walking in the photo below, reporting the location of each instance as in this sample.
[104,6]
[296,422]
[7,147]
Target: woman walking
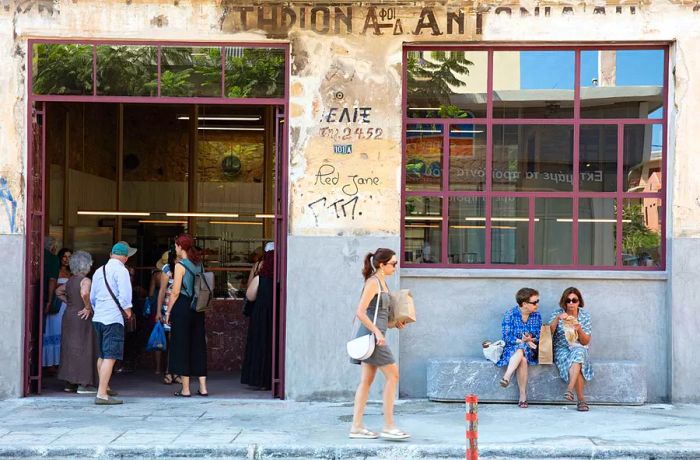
[78,343]
[375,294]
[165,287]
[51,352]
[188,343]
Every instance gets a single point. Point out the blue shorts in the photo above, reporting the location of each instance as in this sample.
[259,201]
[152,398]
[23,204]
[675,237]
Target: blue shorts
[110,340]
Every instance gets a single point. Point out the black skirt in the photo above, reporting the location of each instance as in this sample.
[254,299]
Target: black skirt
[188,340]
[257,363]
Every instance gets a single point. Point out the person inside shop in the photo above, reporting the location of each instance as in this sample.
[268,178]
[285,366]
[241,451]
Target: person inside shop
[521,334]
[110,297]
[257,361]
[51,351]
[571,334]
[373,315]
[78,343]
[165,288]
[188,345]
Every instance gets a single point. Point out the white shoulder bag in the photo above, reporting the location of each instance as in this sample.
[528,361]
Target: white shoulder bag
[362,347]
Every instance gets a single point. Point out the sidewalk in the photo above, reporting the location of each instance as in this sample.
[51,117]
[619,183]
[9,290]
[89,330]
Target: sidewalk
[225,428]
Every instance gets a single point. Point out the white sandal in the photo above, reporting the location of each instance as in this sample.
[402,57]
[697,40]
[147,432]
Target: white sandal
[394,434]
[364,433]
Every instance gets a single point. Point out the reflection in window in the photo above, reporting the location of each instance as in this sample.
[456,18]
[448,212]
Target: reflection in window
[597,220]
[553,222]
[447,84]
[642,158]
[533,84]
[641,232]
[533,157]
[622,84]
[509,230]
[190,72]
[424,157]
[126,70]
[255,72]
[467,157]
[598,158]
[467,230]
[62,69]
[423,230]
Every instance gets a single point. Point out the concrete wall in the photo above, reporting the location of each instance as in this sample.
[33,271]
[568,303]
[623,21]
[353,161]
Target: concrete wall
[457,310]
[12,314]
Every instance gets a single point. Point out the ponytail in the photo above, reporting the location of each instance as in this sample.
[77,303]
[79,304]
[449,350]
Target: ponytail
[373,260]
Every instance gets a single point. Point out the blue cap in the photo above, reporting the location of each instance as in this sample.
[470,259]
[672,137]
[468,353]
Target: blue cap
[122,248]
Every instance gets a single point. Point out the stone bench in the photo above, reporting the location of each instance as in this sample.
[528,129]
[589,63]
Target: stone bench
[614,382]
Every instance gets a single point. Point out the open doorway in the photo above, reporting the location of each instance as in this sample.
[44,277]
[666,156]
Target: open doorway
[144,173]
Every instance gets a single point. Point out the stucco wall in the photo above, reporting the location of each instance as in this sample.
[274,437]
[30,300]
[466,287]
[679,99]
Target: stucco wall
[12,314]
[362,60]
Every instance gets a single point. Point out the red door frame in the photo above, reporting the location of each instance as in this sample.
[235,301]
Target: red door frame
[281,183]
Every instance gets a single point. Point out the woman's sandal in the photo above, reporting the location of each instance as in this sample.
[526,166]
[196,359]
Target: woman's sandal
[582,406]
[504,382]
[523,404]
[177,379]
[569,395]
[364,433]
[394,434]
[168,379]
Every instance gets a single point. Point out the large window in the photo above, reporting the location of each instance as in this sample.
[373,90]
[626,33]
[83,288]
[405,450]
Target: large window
[535,157]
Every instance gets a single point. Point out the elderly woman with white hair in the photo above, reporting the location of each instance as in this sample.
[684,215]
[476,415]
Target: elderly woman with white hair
[78,344]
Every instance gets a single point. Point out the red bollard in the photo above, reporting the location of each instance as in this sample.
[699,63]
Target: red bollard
[472,418]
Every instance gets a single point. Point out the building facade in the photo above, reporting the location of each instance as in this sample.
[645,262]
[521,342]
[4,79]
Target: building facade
[492,145]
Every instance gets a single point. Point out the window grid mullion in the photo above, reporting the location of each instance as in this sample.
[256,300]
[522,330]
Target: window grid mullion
[531,232]
[488,184]
[620,202]
[444,257]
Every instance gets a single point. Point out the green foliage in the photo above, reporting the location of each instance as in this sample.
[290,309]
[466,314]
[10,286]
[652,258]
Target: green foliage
[433,79]
[126,70]
[636,235]
[258,72]
[62,69]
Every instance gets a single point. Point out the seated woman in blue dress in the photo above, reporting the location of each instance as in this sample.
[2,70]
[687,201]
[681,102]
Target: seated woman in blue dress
[521,333]
[571,334]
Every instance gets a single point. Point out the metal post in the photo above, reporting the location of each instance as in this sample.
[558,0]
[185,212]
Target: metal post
[472,418]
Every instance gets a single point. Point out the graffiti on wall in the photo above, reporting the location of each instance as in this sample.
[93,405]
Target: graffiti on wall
[9,204]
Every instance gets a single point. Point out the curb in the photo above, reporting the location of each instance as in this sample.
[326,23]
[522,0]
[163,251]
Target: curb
[398,451]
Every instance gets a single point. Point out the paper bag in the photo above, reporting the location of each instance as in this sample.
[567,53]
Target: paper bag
[545,354]
[402,308]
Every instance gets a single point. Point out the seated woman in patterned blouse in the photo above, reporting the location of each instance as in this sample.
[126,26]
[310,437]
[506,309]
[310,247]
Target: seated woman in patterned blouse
[571,334]
[521,333]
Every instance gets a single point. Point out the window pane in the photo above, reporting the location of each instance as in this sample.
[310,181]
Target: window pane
[597,219]
[643,147]
[447,84]
[255,72]
[533,84]
[622,84]
[424,157]
[642,219]
[190,72]
[509,230]
[467,157]
[533,157]
[423,230]
[553,221]
[467,230]
[598,158]
[127,70]
[62,69]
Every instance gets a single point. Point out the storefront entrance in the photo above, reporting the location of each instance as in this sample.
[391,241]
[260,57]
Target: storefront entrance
[144,169]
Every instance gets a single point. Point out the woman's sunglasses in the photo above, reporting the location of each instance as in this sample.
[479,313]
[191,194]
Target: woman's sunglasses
[572,300]
[393,264]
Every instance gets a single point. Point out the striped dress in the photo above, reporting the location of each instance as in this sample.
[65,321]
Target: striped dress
[566,354]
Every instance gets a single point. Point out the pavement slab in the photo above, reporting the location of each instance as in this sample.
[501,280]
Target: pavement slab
[168,428]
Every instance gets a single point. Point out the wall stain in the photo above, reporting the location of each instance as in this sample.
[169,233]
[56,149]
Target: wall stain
[9,204]
[160,21]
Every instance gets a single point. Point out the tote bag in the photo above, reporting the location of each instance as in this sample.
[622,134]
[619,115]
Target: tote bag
[362,347]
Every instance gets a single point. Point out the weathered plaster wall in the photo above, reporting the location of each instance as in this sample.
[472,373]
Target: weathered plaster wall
[326,197]
[12,312]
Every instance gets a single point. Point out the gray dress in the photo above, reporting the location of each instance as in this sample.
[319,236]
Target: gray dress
[382,354]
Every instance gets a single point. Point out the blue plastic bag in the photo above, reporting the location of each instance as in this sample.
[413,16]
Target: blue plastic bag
[147,307]
[156,342]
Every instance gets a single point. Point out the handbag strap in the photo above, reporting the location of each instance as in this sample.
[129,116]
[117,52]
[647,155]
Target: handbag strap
[104,275]
[379,296]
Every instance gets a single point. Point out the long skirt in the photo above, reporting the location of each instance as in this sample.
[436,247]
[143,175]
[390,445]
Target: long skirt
[257,363]
[51,340]
[78,350]
[188,340]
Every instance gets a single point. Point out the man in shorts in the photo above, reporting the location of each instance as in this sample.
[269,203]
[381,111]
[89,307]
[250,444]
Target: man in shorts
[110,297]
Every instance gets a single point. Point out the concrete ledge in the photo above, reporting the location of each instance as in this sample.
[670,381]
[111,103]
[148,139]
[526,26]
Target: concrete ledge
[615,382]
[480,273]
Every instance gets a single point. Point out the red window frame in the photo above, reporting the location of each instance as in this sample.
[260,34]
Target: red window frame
[488,193]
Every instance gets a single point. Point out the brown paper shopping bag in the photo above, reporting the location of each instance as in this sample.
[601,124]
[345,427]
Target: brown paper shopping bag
[402,308]
[545,355]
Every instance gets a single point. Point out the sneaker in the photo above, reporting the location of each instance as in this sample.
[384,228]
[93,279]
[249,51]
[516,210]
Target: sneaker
[84,390]
[70,388]
[108,402]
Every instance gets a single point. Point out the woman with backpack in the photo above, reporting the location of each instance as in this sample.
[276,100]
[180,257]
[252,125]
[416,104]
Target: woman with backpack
[188,346]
